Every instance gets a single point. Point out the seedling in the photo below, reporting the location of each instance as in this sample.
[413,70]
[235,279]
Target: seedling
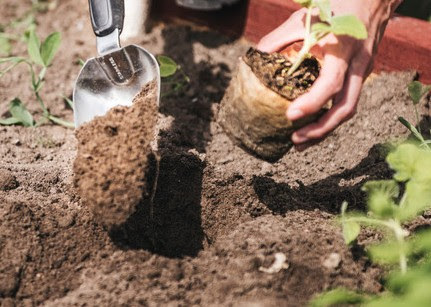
[39,59]
[26,22]
[417,91]
[173,75]
[389,210]
[339,25]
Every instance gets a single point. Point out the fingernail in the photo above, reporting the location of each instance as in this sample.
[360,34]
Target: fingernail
[294,114]
[299,138]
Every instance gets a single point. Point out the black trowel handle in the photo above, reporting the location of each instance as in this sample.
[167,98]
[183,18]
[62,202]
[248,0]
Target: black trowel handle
[106,16]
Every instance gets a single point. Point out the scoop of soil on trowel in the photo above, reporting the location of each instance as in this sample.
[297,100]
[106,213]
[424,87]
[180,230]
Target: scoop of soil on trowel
[253,110]
[113,158]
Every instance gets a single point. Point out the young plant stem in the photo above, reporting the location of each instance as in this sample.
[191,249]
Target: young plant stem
[418,119]
[305,50]
[399,233]
[403,258]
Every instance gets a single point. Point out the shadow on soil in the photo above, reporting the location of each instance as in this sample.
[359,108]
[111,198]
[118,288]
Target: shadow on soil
[170,225]
[175,229]
[191,106]
[327,194]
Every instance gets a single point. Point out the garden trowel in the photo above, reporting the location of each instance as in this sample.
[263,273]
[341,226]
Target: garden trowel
[118,74]
[205,5]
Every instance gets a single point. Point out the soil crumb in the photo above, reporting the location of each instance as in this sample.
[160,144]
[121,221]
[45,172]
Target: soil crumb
[113,158]
[7,180]
[272,70]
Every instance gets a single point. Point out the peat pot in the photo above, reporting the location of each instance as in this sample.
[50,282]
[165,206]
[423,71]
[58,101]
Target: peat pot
[253,110]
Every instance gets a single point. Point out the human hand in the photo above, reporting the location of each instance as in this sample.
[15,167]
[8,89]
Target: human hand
[346,64]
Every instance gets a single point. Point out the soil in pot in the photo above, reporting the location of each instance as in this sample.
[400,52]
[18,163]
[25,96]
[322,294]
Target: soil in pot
[113,158]
[253,110]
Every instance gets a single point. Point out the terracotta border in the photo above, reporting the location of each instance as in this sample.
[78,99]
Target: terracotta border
[406,44]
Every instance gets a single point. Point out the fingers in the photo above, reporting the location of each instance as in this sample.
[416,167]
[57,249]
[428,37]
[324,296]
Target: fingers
[329,83]
[343,110]
[289,32]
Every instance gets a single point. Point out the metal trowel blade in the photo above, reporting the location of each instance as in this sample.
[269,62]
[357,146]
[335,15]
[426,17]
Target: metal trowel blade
[111,80]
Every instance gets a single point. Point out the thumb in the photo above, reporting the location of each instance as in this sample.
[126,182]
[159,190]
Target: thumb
[292,30]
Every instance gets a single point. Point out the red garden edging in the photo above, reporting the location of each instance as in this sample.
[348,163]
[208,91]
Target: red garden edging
[405,46]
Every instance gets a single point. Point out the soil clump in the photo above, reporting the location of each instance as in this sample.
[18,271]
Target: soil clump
[7,180]
[113,158]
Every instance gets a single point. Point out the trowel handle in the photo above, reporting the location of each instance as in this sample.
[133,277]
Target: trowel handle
[106,16]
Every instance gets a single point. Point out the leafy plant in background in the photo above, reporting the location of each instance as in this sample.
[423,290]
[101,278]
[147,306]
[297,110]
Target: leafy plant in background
[24,24]
[417,92]
[391,204]
[339,25]
[173,75]
[39,59]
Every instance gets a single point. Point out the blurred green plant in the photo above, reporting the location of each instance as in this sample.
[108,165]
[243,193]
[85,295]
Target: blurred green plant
[39,59]
[391,204]
[417,91]
[23,25]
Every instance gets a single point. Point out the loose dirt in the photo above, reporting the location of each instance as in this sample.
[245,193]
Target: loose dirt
[219,213]
[112,163]
[272,70]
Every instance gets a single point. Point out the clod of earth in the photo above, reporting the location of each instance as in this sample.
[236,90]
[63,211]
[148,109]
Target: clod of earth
[7,180]
[253,110]
[112,165]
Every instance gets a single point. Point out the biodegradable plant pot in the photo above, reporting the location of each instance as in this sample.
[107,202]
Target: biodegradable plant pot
[253,110]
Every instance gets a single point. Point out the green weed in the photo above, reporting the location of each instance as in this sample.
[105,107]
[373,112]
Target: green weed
[39,59]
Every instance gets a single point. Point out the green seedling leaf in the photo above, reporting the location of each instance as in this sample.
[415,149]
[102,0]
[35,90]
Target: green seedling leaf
[417,199]
[12,59]
[9,121]
[348,25]
[387,253]
[412,129]
[324,9]
[320,28]
[381,195]
[33,48]
[422,242]
[19,111]
[403,161]
[81,62]
[415,91]
[351,231]
[337,297]
[61,122]
[49,48]
[401,283]
[168,67]
[68,101]
[5,46]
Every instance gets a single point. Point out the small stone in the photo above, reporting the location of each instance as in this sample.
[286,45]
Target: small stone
[333,261]
[16,142]
[266,169]
[201,156]
[7,180]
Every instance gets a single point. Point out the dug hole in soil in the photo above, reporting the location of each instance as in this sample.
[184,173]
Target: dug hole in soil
[220,214]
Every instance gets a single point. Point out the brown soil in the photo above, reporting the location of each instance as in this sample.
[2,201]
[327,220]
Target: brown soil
[112,163]
[219,213]
[272,70]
